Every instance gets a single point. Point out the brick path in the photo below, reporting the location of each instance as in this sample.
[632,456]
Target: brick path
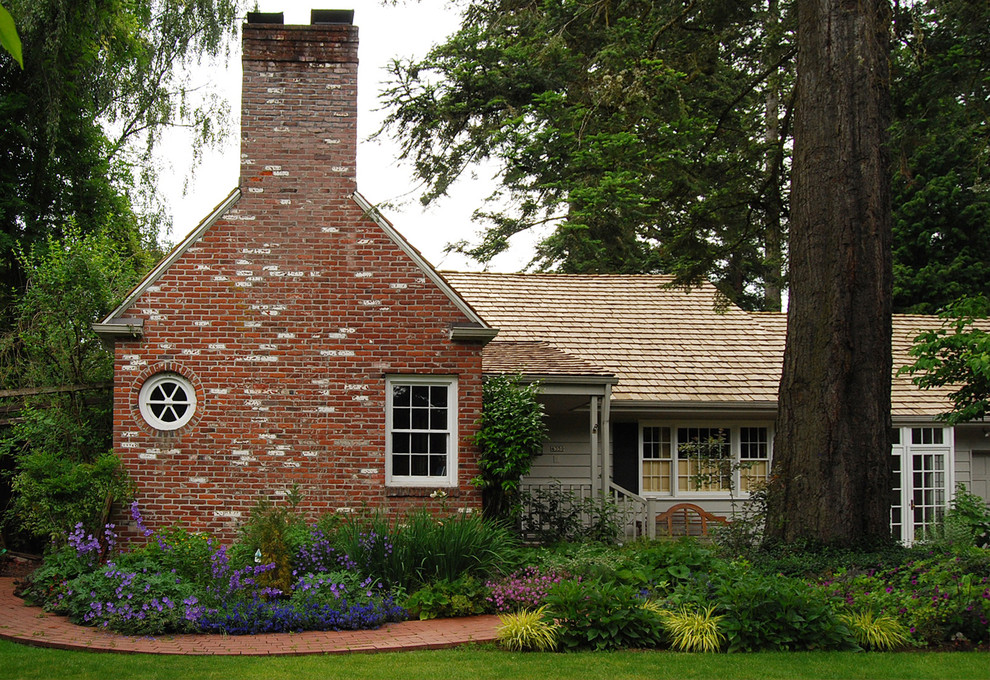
[33,626]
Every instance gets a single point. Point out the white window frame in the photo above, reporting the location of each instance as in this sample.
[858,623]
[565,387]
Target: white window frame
[911,527]
[735,444]
[147,391]
[438,481]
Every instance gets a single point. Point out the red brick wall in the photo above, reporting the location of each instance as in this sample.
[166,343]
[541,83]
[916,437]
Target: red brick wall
[287,315]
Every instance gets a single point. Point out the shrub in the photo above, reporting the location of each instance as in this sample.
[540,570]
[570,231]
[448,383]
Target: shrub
[527,631]
[694,631]
[467,596]
[183,552]
[272,535]
[764,612]
[447,548]
[52,493]
[967,523]
[425,548]
[602,615]
[510,434]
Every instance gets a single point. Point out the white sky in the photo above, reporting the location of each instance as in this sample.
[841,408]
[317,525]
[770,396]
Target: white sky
[408,29]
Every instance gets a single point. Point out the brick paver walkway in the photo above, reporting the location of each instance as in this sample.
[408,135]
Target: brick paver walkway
[33,626]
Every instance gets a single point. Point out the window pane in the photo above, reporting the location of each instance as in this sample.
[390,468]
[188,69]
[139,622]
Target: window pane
[400,443]
[438,443]
[438,466]
[420,395]
[420,442]
[438,419]
[420,466]
[400,419]
[400,465]
[400,395]
[420,418]
[438,396]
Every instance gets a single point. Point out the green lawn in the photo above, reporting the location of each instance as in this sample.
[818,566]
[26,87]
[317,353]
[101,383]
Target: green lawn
[21,661]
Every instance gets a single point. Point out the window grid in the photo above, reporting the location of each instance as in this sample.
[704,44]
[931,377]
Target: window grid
[421,430]
[656,459]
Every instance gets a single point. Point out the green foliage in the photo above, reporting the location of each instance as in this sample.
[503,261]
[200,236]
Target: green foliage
[552,514]
[48,582]
[277,532]
[182,551]
[78,122]
[967,522]
[53,494]
[73,283]
[939,598]
[956,355]
[424,548]
[602,615]
[9,39]
[765,612]
[638,130]
[527,631]
[940,64]
[877,632]
[511,433]
[692,630]
[139,587]
[466,596]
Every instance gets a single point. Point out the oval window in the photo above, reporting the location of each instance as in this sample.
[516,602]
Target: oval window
[167,401]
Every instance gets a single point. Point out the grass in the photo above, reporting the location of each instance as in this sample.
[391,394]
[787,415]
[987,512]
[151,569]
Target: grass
[24,662]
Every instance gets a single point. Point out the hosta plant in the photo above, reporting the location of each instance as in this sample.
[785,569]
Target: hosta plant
[693,631]
[527,630]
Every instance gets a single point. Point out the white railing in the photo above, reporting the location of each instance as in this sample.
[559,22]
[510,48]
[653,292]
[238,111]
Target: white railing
[638,514]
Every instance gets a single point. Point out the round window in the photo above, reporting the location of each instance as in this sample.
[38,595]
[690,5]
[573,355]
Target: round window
[167,401]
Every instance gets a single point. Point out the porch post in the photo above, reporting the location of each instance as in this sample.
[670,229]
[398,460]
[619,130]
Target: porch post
[606,440]
[593,436]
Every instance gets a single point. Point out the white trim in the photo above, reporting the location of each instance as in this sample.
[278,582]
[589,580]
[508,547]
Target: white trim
[449,480]
[176,253]
[156,381]
[372,213]
[734,426]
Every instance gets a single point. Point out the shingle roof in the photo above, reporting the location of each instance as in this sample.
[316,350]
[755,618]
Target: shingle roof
[663,344]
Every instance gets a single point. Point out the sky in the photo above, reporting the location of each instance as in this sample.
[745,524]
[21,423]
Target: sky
[407,29]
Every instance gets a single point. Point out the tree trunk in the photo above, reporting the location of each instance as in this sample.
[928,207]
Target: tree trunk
[832,463]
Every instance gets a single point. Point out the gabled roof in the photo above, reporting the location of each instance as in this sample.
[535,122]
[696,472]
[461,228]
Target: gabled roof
[664,345]
[116,325]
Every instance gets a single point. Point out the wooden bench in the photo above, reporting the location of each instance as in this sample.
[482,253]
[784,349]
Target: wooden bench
[686,519]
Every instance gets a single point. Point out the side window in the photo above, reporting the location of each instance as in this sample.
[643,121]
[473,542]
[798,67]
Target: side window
[167,401]
[421,435]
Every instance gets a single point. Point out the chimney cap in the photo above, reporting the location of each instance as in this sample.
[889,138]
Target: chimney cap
[331,16]
[265,18]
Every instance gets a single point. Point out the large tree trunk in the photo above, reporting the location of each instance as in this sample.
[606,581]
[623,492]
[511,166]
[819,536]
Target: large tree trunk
[832,462]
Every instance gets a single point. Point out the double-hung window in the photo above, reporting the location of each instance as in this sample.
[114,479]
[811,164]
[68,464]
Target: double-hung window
[421,437]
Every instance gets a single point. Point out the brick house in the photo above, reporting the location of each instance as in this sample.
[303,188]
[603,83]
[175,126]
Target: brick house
[296,338]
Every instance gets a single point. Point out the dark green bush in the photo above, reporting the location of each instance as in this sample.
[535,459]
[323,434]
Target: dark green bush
[602,615]
[765,612]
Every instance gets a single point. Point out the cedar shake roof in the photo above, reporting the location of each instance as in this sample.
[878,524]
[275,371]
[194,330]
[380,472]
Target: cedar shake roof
[664,345]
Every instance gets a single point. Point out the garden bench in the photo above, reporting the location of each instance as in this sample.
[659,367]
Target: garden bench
[686,519]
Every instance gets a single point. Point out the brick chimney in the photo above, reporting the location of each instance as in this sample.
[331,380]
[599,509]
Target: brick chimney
[299,108]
